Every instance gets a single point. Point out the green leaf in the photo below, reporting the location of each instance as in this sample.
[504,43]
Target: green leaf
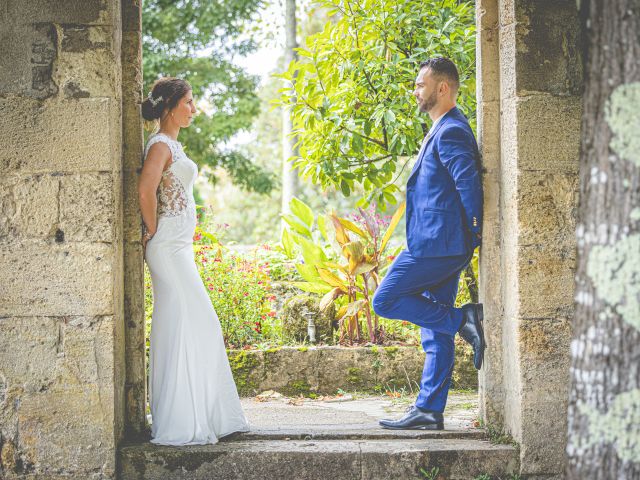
[287,243]
[295,224]
[320,288]
[308,272]
[302,211]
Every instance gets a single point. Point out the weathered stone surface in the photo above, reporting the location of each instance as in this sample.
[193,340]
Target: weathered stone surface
[68,136]
[132,228]
[548,47]
[546,276]
[70,11]
[60,413]
[87,65]
[29,53]
[324,370]
[29,205]
[528,255]
[80,282]
[548,133]
[552,202]
[299,459]
[87,207]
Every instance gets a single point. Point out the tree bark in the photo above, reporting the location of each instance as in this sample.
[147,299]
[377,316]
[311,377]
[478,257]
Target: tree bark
[604,404]
[289,174]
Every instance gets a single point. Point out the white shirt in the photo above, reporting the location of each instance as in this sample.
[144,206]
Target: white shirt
[431,130]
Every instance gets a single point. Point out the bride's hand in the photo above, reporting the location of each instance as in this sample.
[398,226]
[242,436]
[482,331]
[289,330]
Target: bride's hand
[145,238]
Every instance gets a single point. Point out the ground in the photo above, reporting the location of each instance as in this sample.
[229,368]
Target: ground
[349,412]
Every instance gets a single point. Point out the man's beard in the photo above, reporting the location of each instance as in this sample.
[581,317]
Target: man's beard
[429,103]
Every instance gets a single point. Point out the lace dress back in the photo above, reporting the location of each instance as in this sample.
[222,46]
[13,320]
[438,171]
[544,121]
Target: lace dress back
[175,191]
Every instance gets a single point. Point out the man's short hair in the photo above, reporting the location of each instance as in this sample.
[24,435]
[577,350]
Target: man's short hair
[442,67]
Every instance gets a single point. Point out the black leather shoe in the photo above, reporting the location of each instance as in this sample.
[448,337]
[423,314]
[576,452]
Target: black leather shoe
[416,419]
[471,331]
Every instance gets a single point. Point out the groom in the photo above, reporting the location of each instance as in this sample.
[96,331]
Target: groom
[444,222]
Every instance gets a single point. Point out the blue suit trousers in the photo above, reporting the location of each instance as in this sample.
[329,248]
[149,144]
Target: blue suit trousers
[423,291]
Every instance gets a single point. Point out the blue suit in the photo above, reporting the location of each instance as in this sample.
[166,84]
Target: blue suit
[444,224]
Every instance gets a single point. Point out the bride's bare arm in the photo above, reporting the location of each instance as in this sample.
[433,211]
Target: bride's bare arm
[157,158]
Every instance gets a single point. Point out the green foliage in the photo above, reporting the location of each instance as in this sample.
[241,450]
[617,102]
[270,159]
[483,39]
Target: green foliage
[341,260]
[351,88]
[432,474]
[197,40]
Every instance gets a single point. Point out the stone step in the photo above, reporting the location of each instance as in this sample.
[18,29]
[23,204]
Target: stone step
[338,459]
[355,431]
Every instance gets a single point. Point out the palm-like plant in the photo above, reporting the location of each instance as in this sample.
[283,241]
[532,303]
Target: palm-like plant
[343,262]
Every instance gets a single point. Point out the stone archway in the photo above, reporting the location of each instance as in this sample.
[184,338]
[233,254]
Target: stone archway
[72,371]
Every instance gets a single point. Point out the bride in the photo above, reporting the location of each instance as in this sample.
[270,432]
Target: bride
[193,396]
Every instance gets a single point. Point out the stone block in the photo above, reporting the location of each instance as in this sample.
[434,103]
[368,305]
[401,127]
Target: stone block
[133,141]
[489,134]
[487,52]
[84,12]
[546,281]
[543,441]
[88,63]
[87,210]
[134,336]
[132,16]
[67,136]
[507,40]
[132,218]
[60,376]
[29,206]
[548,46]
[131,58]
[507,14]
[29,348]
[325,369]
[548,207]
[548,133]
[27,62]
[67,430]
[544,353]
[40,278]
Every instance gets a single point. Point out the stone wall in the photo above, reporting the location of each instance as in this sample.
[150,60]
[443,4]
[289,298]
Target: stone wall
[530,82]
[61,239]
[323,370]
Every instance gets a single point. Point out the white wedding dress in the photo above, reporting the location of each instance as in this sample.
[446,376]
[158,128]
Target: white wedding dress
[193,396]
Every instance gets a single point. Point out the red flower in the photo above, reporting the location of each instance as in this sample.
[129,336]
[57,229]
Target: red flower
[272,313]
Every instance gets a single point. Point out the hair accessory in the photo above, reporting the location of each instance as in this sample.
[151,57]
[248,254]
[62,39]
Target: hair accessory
[153,101]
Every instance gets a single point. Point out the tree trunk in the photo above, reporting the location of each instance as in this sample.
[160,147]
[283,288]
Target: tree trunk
[604,404]
[289,174]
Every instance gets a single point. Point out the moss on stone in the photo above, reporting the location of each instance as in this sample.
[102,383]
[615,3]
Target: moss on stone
[390,351]
[303,349]
[354,376]
[297,387]
[243,365]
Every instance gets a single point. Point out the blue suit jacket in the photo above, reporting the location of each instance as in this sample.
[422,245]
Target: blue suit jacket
[444,192]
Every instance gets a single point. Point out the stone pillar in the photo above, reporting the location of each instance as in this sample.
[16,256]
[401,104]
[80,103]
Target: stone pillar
[61,239]
[528,260]
[133,257]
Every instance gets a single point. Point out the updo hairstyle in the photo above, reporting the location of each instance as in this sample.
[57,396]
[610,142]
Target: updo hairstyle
[171,90]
